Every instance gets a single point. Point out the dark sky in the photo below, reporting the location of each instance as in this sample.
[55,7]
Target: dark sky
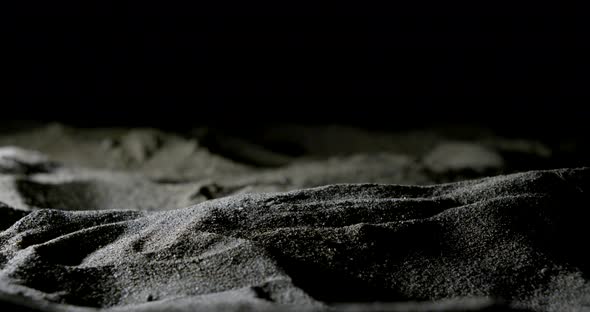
[149,64]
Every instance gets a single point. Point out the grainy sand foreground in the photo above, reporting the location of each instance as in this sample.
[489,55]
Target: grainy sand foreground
[121,233]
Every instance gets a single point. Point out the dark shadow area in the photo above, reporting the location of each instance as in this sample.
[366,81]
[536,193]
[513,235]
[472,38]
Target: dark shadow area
[517,69]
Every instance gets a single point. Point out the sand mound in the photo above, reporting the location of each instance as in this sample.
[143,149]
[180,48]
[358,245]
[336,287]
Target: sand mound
[517,238]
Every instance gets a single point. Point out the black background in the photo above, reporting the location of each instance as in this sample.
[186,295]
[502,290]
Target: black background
[174,66]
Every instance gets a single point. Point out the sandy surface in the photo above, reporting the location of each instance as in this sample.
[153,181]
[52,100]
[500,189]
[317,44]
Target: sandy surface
[335,219]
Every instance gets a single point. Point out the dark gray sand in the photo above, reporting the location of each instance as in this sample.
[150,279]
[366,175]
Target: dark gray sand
[518,237]
[146,221]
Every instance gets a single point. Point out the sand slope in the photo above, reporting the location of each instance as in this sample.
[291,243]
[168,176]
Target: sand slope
[519,238]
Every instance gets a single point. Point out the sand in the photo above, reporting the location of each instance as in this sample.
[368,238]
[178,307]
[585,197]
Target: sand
[153,221]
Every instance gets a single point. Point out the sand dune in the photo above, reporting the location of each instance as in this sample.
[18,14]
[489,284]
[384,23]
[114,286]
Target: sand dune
[517,238]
